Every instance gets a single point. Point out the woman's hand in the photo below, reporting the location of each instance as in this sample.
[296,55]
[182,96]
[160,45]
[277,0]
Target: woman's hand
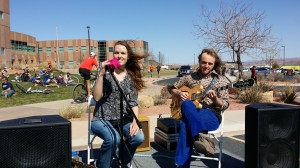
[134,128]
[103,64]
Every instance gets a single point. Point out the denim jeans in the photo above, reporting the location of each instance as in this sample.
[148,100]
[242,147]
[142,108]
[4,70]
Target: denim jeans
[193,122]
[111,142]
[10,93]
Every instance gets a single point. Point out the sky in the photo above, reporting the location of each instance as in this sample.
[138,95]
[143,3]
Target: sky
[167,25]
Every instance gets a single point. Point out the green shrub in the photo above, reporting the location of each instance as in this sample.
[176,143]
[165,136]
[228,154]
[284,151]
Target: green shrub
[72,111]
[250,95]
[289,94]
[265,86]
[159,100]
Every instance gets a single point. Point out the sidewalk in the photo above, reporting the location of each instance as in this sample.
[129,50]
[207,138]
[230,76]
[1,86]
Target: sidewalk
[234,120]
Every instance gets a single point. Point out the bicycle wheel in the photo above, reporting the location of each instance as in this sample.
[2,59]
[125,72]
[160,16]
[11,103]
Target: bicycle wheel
[79,93]
[75,79]
[47,91]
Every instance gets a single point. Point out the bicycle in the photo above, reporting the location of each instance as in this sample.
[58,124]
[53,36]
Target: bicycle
[30,90]
[80,91]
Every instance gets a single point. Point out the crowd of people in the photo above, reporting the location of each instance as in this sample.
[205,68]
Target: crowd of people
[44,77]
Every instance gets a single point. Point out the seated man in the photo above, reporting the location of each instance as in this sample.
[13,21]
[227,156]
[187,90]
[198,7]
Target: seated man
[7,88]
[197,120]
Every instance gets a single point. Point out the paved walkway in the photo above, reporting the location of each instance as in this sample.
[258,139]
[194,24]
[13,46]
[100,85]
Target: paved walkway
[234,120]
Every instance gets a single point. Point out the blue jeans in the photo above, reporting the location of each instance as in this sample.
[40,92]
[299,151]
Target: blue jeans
[193,122]
[111,142]
[9,94]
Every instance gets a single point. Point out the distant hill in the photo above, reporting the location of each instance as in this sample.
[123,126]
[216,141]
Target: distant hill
[288,61]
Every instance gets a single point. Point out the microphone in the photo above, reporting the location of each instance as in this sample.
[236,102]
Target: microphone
[113,64]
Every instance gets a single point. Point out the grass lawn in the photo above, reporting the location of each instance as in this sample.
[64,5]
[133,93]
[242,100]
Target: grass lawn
[61,93]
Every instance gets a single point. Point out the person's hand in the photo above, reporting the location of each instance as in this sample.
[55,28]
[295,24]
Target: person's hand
[212,95]
[183,95]
[102,70]
[134,128]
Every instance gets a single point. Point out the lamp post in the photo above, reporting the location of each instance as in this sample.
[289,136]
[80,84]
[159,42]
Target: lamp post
[194,61]
[38,48]
[88,28]
[283,55]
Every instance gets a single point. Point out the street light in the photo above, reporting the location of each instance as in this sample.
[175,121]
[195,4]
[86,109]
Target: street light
[39,52]
[88,27]
[283,55]
[194,61]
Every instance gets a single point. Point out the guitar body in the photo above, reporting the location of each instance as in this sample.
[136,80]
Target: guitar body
[176,101]
[196,95]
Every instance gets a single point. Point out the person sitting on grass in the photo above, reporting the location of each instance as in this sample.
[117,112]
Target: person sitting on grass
[7,88]
[60,79]
[68,79]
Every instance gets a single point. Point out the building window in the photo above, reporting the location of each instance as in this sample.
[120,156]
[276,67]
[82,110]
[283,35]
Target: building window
[83,48]
[61,63]
[2,51]
[48,50]
[110,49]
[70,49]
[40,50]
[61,49]
[71,64]
[1,15]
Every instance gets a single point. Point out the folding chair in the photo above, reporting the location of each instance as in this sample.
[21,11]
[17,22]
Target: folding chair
[91,135]
[219,141]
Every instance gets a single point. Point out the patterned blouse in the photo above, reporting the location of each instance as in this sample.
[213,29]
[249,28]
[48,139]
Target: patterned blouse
[196,78]
[108,107]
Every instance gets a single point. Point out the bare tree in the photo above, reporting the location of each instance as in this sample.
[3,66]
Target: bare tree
[271,52]
[151,55]
[237,28]
[161,58]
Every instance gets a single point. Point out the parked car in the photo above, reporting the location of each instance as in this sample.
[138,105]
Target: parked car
[263,70]
[184,70]
[233,71]
[165,67]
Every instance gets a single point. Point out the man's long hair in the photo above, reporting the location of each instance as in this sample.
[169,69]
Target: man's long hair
[218,62]
[132,66]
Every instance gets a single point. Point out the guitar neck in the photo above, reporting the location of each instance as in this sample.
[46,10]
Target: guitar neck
[229,86]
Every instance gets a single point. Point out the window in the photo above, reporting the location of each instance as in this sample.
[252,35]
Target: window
[110,49]
[40,50]
[71,64]
[3,51]
[48,50]
[61,63]
[61,49]
[1,15]
[70,49]
[83,48]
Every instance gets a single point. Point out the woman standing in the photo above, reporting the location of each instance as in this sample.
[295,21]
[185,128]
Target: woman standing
[106,120]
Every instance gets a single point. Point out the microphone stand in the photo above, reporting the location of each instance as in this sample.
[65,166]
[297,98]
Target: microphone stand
[122,96]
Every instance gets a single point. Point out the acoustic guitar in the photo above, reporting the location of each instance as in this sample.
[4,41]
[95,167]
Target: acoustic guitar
[196,94]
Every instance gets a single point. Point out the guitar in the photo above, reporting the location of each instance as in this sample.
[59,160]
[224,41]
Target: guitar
[196,95]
